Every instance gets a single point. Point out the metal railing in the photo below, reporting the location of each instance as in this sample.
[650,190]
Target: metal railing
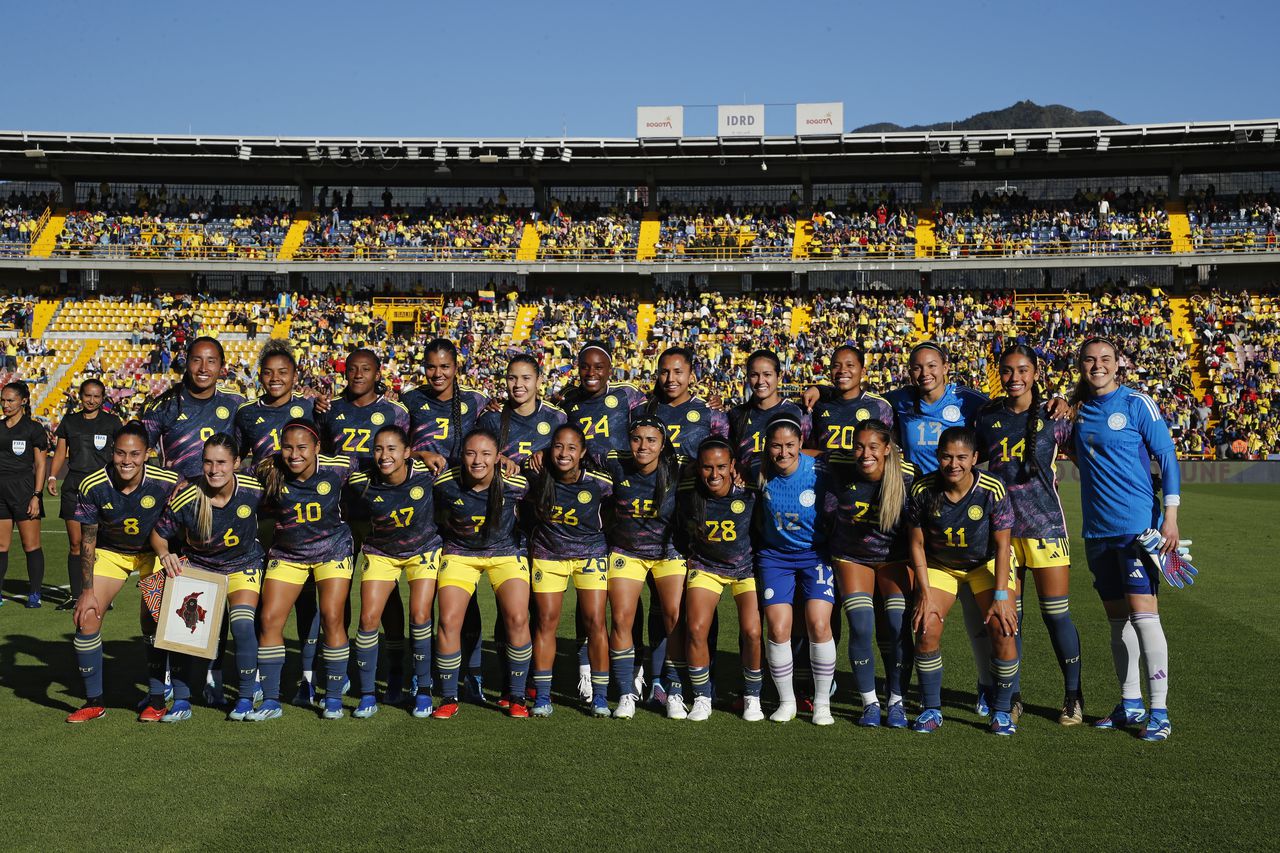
[165,251]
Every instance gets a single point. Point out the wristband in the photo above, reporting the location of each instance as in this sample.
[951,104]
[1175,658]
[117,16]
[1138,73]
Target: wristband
[1002,595]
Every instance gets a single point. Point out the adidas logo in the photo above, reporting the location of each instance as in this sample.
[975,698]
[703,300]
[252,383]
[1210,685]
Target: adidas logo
[1136,573]
[459,502]
[340,418]
[182,417]
[108,506]
[259,421]
[826,414]
[626,484]
[996,425]
[378,499]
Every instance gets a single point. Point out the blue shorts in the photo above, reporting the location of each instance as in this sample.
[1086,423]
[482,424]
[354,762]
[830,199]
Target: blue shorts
[778,575]
[1118,569]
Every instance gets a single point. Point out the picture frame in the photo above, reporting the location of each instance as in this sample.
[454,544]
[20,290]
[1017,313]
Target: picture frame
[191,613]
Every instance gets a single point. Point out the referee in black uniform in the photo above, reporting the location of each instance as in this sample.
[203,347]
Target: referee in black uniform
[83,443]
[23,450]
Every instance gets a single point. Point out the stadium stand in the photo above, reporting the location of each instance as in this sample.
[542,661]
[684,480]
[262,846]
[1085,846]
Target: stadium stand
[1241,334]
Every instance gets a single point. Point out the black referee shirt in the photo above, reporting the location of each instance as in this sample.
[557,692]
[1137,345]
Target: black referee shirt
[18,445]
[88,444]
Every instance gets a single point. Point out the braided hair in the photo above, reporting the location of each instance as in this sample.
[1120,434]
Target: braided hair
[1030,465]
[447,347]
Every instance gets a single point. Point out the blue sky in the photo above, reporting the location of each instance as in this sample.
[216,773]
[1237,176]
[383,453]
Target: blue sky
[540,69]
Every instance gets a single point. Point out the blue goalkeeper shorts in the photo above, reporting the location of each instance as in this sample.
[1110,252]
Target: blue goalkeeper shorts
[778,575]
[1119,569]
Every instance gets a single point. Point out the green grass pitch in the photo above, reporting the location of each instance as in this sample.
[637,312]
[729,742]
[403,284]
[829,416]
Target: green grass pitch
[482,781]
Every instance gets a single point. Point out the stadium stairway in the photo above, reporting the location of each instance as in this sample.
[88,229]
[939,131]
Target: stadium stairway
[281,328]
[294,237]
[925,239]
[62,378]
[1179,226]
[800,319]
[523,326]
[43,316]
[800,243]
[42,246]
[1186,333]
[529,243]
[646,316]
[650,232]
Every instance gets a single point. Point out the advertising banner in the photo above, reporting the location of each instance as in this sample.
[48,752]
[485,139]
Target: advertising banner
[819,119]
[658,122]
[740,120]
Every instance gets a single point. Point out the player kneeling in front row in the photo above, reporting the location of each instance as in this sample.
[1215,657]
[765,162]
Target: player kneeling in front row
[960,521]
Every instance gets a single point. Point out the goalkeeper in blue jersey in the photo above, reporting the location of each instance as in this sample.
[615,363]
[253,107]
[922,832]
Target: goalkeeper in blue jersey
[1118,431]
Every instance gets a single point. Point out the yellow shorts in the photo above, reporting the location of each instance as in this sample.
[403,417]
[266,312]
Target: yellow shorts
[1041,553]
[979,580]
[297,573]
[712,582]
[622,567]
[113,564]
[417,568]
[553,575]
[464,572]
[250,579]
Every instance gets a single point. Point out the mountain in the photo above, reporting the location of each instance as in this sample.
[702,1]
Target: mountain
[1024,114]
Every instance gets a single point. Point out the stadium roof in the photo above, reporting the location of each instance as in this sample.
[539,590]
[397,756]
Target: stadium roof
[909,155]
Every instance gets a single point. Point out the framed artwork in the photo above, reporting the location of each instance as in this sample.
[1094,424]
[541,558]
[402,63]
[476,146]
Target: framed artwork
[191,613]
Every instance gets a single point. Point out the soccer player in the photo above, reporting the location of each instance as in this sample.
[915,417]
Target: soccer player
[525,422]
[478,524]
[396,496]
[84,446]
[747,420]
[960,520]
[716,517]
[866,507]
[23,456]
[215,520]
[1019,442]
[180,420]
[600,406]
[688,418]
[845,404]
[303,494]
[788,560]
[1117,432]
[566,502]
[117,507]
[642,545]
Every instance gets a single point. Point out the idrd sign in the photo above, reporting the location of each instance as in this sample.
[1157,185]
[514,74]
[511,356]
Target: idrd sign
[740,120]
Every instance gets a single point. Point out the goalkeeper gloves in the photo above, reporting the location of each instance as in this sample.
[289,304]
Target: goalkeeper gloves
[1176,567]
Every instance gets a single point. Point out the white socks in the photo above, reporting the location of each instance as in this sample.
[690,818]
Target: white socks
[822,659]
[1125,651]
[781,668]
[1155,653]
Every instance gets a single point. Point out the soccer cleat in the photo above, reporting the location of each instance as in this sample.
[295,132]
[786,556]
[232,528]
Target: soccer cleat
[242,710]
[626,708]
[1159,726]
[897,716]
[822,715]
[422,706]
[33,601]
[928,721]
[268,710]
[346,687]
[584,683]
[367,708]
[180,711]
[151,715]
[503,703]
[1072,710]
[658,693]
[600,707]
[412,689]
[517,710]
[306,695]
[395,690]
[751,710]
[333,709]
[637,686]
[447,710]
[870,716]
[69,604]
[982,707]
[786,712]
[542,708]
[1002,723]
[1122,717]
[1015,710]
[89,712]
[146,700]
[675,707]
[701,709]
[805,704]
[257,692]
[473,690]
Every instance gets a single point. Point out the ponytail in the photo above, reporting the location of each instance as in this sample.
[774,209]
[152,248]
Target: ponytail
[204,503]
[893,488]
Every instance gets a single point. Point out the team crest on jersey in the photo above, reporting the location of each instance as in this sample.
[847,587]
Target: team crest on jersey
[1117,422]
[99,442]
[611,402]
[324,489]
[975,513]
[544,428]
[463,408]
[693,573]
[951,413]
[243,511]
[296,412]
[808,498]
[416,493]
[619,562]
[738,506]
[147,502]
[862,415]
[537,575]
[222,412]
[584,497]
[377,418]
[693,417]
[19,448]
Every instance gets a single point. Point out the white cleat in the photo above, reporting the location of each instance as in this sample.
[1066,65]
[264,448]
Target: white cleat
[584,683]
[675,707]
[822,715]
[626,708]
[638,684]
[701,709]
[751,711]
[786,713]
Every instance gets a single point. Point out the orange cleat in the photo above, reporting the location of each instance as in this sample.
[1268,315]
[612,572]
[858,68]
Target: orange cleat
[152,715]
[87,713]
[504,703]
[517,710]
[446,711]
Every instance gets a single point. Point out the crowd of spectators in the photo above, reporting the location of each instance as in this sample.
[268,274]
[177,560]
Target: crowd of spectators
[588,230]
[1240,333]
[721,229]
[875,225]
[1242,222]
[488,231]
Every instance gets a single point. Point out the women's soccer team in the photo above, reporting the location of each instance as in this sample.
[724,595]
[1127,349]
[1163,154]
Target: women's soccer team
[890,508]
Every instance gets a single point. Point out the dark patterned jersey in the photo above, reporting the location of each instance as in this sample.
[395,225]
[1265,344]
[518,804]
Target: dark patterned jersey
[179,425]
[348,429]
[606,418]
[747,427]
[919,431]
[640,527]
[853,514]
[88,443]
[721,542]
[835,421]
[463,517]
[961,535]
[526,434]
[571,527]
[258,425]
[18,446]
[433,426]
[402,518]
[310,527]
[690,423]
[233,544]
[1002,439]
[125,521]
